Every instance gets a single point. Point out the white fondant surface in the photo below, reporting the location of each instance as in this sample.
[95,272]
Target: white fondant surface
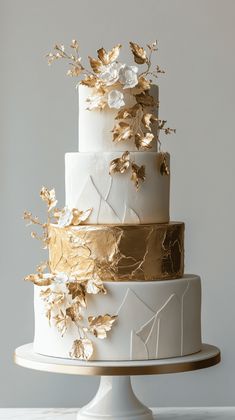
[95,126]
[156,319]
[114,199]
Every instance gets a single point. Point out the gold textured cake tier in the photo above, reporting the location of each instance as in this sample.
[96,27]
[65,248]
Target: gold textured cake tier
[118,253]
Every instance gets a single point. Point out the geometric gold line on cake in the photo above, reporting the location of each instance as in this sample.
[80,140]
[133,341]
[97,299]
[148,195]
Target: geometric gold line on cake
[118,252]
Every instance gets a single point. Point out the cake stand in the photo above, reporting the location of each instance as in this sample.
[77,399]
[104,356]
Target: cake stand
[115,399]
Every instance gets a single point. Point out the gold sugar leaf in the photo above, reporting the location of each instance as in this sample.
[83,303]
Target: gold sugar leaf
[39,279]
[138,174]
[27,215]
[101,324]
[122,132]
[164,168]
[49,197]
[73,312]
[89,80]
[80,216]
[144,142]
[145,99]
[148,119]
[62,321]
[143,83]
[78,292]
[110,56]
[58,298]
[95,64]
[74,44]
[95,286]
[127,112]
[75,71]
[120,164]
[48,315]
[52,298]
[45,294]
[139,53]
[82,349]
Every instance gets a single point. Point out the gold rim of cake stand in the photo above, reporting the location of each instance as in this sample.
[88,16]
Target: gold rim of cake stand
[120,368]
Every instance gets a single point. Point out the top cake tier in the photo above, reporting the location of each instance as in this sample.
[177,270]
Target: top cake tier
[95,125]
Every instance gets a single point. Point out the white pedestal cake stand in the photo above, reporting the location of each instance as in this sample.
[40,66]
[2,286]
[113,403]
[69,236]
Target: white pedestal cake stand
[115,398]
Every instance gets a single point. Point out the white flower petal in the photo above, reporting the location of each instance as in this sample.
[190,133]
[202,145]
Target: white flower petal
[65,218]
[128,76]
[115,99]
[110,73]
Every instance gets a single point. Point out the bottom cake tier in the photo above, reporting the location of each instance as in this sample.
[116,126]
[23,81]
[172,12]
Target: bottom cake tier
[155,319]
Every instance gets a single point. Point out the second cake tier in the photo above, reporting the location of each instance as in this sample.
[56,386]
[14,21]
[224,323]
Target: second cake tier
[118,252]
[114,199]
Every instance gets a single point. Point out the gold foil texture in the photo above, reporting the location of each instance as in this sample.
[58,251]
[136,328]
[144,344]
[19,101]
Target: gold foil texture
[118,253]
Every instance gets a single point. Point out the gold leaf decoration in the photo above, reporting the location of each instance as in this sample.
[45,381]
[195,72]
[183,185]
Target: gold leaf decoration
[143,83]
[40,279]
[107,73]
[138,174]
[139,53]
[127,112]
[101,324]
[148,119]
[49,197]
[120,164]
[145,99]
[144,142]
[108,57]
[82,349]
[52,297]
[95,286]
[74,44]
[78,292]
[122,131]
[62,321]
[95,64]
[89,80]
[73,312]
[75,71]
[164,168]
[80,216]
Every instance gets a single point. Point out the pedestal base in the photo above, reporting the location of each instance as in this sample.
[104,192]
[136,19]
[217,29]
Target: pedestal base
[115,400]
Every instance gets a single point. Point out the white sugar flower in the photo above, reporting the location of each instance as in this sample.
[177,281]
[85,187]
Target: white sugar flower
[110,73]
[96,101]
[128,76]
[61,277]
[66,217]
[115,99]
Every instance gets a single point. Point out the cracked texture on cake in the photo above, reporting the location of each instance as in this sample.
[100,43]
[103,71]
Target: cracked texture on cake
[118,253]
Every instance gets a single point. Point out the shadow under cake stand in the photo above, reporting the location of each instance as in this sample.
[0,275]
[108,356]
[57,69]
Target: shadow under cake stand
[115,398]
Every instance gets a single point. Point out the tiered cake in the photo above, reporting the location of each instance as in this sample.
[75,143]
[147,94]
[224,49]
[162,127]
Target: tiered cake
[116,288]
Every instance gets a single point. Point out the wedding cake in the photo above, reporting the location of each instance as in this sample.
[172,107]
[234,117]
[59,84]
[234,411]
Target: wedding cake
[114,286]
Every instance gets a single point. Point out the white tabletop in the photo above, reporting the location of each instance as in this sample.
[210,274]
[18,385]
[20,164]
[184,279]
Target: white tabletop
[217,413]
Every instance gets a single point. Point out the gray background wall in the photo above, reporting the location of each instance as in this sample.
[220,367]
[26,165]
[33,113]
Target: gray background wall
[38,124]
